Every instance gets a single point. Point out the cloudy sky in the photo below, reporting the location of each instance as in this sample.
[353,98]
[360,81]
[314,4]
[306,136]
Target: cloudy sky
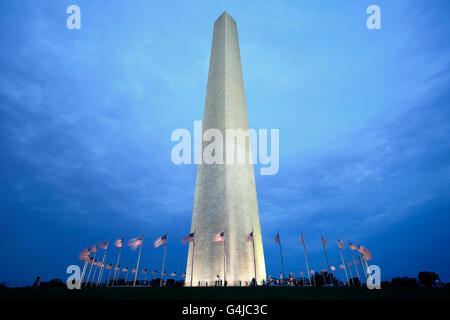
[86,117]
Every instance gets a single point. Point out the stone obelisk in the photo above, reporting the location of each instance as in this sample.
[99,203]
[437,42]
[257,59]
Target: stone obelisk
[225,194]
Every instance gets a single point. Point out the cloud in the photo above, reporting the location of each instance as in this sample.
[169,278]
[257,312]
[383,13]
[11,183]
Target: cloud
[369,180]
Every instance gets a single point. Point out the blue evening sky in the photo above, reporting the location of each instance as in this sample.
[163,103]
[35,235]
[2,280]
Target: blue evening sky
[86,117]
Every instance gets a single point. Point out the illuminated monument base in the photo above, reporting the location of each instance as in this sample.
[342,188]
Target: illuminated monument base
[225,194]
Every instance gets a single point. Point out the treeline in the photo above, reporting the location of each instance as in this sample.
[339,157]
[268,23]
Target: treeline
[424,279]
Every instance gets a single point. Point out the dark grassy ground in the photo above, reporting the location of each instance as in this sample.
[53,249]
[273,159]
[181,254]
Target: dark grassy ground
[259,293]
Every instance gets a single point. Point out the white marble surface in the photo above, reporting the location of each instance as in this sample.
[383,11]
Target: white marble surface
[225,195]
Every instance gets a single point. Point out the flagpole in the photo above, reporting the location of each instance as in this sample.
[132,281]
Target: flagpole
[84,268]
[93,276]
[139,257]
[90,268]
[306,259]
[254,255]
[164,260]
[137,266]
[369,276]
[354,262]
[343,262]
[100,275]
[325,252]
[281,254]
[332,278]
[109,275]
[192,264]
[343,269]
[126,277]
[117,264]
[362,266]
[103,266]
[351,274]
[90,261]
[224,261]
[367,266]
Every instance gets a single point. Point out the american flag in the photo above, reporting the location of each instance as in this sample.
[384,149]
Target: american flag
[340,244]
[135,242]
[117,268]
[173,274]
[94,248]
[133,271]
[333,268]
[324,241]
[250,237]
[189,237]
[109,266]
[125,269]
[160,241]
[119,243]
[341,266]
[103,245]
[220,237]
[100,264]
[144,271]
[353,247]
[183,275]
[349,264]
[301,272]
[366,253]
[312,271]
[277,237]
[281,276]
[154,272]
[323,270]
[84,255]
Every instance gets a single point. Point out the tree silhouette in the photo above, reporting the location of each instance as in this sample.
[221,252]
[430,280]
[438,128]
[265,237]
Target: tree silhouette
[428,279]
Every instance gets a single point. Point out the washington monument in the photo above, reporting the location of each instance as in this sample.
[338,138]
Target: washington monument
[225,194]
